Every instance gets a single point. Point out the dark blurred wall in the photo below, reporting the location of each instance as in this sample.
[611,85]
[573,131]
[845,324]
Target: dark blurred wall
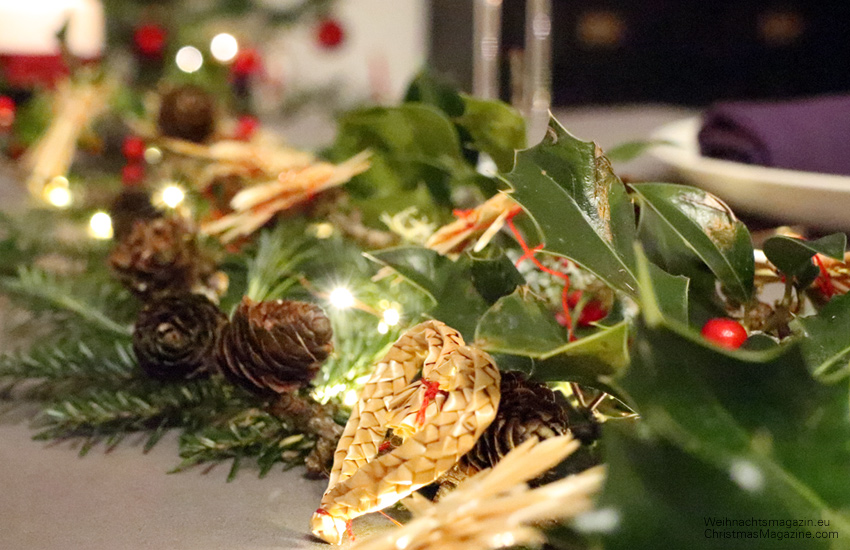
[680,51]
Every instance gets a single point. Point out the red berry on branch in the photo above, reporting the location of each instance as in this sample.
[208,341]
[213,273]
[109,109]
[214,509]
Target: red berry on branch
[7,112]
[133,174]
[592,312]
[573,297]
[330,34]
[726,333]
[248,62]
[246,127]
[133,148]
[149,39]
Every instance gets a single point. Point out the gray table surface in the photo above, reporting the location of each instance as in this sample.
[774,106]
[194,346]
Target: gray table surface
[50,499]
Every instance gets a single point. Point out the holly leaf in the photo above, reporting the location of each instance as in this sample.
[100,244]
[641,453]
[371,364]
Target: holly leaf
[671,293]
[794,256]
[714,444]
[519,324]
[826,345]
[579,206]
[495,128]
[449,284]
[708,228]
[494,274]
[593,359]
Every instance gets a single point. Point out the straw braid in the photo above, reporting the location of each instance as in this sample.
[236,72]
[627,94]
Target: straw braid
[438,417]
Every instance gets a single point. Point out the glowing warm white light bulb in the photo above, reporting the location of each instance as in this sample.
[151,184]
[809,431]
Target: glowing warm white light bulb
[350,398]
[391,316]
[100,226]
[383,328]
[189,59]
[172,196]
[341,298]
[224,47]
[153,155]
[57,192]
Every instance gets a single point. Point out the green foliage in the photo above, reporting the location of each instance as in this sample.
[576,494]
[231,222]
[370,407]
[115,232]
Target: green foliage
[579,205]
[70,300]
[826,341]
[723,434]
[793,257]
[707,228]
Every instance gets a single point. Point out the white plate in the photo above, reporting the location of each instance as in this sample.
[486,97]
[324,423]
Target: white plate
[787,196]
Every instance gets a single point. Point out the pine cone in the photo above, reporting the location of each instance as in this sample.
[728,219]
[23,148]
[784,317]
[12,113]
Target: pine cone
[175,336]
[274,347]
[526,409]
[187,112]
[131,205]
[161,256]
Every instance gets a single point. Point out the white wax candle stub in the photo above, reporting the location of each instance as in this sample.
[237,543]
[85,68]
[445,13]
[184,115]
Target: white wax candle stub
[30,28]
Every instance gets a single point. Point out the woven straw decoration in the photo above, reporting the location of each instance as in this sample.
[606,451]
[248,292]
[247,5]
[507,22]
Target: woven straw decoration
[362,479]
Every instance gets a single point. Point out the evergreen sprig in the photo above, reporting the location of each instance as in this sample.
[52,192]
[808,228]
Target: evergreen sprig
[251,433]
[86,301]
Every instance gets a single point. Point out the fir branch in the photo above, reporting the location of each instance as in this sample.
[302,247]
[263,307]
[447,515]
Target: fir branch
[144,405]
[252,433]
[44,291]
[65,368]
[271,273]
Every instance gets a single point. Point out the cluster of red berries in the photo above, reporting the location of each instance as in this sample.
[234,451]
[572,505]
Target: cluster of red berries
[7,112]
[133,150]
[591,312]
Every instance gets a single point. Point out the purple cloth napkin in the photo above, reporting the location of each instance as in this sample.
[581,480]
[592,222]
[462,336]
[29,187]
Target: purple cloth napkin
[812,135]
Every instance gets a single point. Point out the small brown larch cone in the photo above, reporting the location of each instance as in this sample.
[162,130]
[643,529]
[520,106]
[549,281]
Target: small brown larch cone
[274,347]
[527,409]
[175,336]
[311,417]
[187,112]
[161,256]
[130,205]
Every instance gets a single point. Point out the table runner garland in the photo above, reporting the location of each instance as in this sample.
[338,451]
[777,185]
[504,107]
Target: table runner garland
[522,348]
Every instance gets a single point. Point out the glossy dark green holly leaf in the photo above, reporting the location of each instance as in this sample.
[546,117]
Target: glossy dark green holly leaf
[580,207]
[723,434]
[495,127]
[449,283]
[708,228]
[519,324]
[671,291]
[494,274]
[593,359]
[826,344]
[794,256]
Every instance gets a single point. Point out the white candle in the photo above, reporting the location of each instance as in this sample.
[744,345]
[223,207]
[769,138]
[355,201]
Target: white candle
[538,67]
[30,27]
[487,35]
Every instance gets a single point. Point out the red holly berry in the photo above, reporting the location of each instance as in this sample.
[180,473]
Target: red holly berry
[246,127]
[573,297]
[7,112]
[149,39]
[725,332]
[592,312]
[133,149]
[330,33]
[248,62]
[133,174]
